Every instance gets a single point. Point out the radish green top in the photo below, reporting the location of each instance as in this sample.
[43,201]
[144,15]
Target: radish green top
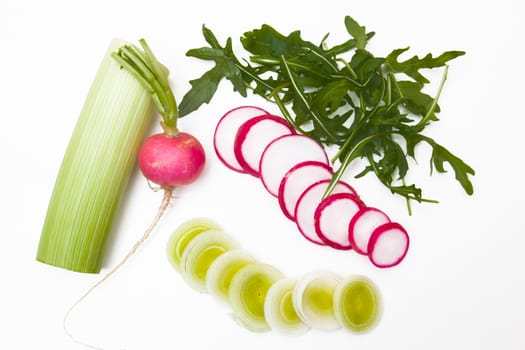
[153,76]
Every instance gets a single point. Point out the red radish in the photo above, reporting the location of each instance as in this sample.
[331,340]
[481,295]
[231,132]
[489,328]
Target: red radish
[254,135]
[308,203]
[362,225]
[284,153]
[226,130]
[171,161]
[388,245]
[296,180]
[332,217]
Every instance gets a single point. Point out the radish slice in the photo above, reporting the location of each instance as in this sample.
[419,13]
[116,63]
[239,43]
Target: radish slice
[279,310]
[296,180]
[308,203]
[362,225]
[313,299]
[284,153]
[332,218]
[357,303]
[254,135]
[226,130]
[388,245]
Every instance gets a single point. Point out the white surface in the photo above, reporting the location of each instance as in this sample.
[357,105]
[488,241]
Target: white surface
[462,285]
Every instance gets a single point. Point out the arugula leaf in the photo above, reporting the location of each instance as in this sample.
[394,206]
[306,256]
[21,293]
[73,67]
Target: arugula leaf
[412,65]
[357,32]
[341,95]
[226,66]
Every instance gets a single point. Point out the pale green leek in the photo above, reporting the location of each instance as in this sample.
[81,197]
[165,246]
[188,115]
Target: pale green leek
[96,168]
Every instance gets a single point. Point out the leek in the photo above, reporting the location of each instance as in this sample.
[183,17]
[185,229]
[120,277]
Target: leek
[199,255]
[222,270]
[96,168]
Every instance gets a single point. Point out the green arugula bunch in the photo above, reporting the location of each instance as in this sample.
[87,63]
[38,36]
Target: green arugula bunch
[363,104]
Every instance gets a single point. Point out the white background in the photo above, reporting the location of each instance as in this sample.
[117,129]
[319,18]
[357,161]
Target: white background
[462,286]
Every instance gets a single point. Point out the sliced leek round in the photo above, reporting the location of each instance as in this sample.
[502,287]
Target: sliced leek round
[313,298]
[279,310]
[222,270]
[184,233]
[200,253]
[247,294]
[357,303]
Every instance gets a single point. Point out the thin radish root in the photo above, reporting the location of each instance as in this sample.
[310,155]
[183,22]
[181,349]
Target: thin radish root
[168,195]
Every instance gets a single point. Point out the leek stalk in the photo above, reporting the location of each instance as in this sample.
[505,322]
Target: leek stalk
[96,167]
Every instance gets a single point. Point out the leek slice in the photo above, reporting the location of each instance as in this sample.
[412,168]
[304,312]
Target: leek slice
[247,294]
[279,309]
[95,169]
[222,270]
[357,303]
[184,233]
[200,253]
[313,299]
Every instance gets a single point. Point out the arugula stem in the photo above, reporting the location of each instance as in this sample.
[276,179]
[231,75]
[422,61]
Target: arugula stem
[430,111]
[285,112]
[324,59]
[358,123]
[407,199]
[303,99]
[276,62]
[350,156]
[348,67]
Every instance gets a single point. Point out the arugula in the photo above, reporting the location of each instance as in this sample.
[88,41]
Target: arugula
[341,95]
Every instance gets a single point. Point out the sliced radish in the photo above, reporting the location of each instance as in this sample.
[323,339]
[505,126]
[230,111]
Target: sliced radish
[254,135]
[362,225]
[226,130]
[308,203]
[296,180]
[284,153]
[332,218]
[388,245]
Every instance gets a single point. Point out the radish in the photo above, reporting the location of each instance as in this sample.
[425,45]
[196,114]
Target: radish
[226,130]
[388,245]
[296,180]
[332,218]
[169,159]
[360,228]
[308,203]
[283,153]
[254,135]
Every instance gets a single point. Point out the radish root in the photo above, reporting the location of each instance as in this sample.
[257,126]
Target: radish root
[168,194]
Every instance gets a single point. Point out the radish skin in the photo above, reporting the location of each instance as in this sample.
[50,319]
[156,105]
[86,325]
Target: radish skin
[364,222]
[283,153]
[226,131]
[388,245]
[332,218]
[171,161]
[296,180]
[308,203]
[254,135]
